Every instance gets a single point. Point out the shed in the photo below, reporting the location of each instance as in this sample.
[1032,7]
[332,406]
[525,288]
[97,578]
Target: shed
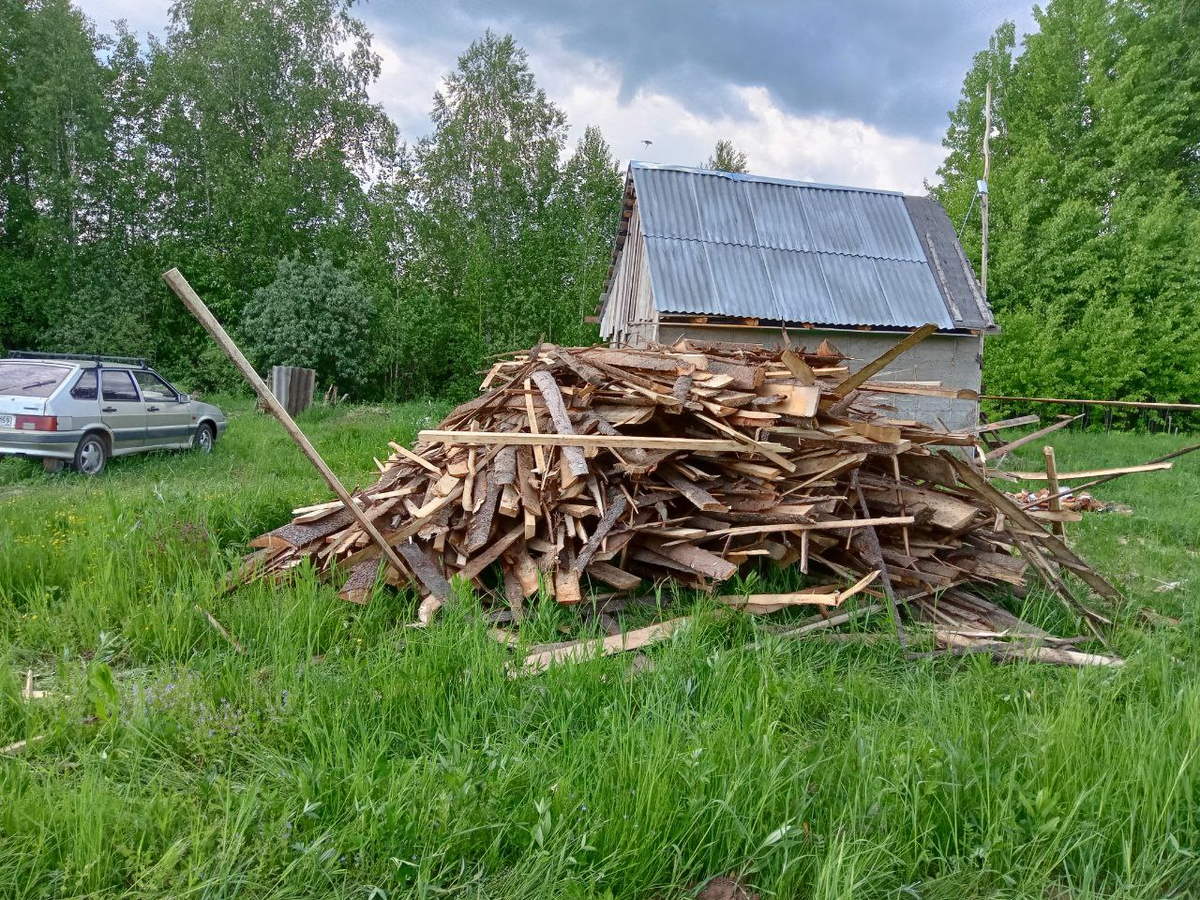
[719,256]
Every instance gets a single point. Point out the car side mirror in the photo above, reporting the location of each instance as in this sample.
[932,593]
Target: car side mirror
[185,398]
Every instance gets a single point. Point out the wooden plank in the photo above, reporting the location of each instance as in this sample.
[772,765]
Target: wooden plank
[481,518]
[1091,473]
[699,560]
[628,359]
[759,603]
[799,400]
[881,362]
[539,454]
[562,422]
[1007,423]
[1124,404]
[798,367]
[616,509]
[692,492]
[1005,449]
[947,511]
[566,586]
[414,457]
[883,387]
[1025,649]
[479,564]
[581,651]
[611,575]
[426,569]
[600,441]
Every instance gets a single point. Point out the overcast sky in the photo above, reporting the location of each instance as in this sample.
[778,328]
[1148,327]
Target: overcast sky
[838,91]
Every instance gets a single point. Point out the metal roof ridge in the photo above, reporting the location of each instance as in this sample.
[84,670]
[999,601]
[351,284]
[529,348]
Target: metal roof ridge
[763,179]
[672,237]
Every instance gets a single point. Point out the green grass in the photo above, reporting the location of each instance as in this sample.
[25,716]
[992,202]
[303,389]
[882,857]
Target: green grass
[347,756]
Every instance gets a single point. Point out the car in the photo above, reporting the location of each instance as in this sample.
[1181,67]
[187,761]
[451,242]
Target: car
[82,410]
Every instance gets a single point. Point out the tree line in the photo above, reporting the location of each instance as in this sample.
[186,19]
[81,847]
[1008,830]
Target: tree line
[243,148]
[1094,199]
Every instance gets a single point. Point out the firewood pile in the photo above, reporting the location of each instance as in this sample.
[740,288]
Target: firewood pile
[586,474]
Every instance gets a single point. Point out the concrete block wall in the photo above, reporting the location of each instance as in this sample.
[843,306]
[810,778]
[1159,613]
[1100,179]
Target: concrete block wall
[952,359]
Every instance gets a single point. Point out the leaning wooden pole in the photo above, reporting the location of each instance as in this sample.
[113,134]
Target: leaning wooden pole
[983,198]
[175,280]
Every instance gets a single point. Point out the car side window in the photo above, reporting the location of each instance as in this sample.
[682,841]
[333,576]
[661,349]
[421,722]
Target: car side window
[118,386]
[85,387]
[154,388]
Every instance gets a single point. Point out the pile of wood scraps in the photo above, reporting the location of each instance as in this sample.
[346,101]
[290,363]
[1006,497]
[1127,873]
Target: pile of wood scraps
[590,469]
[1082,502]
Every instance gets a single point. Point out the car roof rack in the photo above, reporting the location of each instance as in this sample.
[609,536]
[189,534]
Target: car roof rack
[91,357]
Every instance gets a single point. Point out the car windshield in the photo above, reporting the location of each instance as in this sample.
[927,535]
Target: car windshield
[27,379]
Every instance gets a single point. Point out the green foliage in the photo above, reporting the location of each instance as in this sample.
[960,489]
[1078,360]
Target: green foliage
[1095,200]
[312,315]
[725,158]
[508,243]
[247,137]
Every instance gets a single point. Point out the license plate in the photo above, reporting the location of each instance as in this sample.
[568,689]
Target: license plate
[6,421]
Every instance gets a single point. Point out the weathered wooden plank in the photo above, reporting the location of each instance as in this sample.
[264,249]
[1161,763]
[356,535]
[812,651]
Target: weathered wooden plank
[882,361]
[562,422]
[581,651]
[426,569]
[1092,473]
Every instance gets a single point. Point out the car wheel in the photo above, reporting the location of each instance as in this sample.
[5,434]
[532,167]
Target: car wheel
[91,455]
[204,439]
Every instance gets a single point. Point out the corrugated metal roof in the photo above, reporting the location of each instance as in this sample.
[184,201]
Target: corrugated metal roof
[743,245]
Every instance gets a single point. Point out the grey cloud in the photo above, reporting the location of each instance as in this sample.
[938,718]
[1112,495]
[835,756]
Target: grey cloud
[895,65]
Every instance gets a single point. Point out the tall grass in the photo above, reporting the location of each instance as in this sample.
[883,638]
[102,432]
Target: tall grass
[348,756]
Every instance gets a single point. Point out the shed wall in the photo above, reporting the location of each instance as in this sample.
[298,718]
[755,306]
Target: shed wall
[630,317]
[952,359]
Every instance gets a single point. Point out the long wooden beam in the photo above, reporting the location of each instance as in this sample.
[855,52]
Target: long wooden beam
[175,280]
[1007,423]
[1032,436]
[1127,404]
[879,363]
[596,441]
[1093,473]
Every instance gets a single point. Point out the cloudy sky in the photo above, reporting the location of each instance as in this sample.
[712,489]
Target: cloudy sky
[838,91]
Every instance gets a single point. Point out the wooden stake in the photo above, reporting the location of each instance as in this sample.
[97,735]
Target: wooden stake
[175,280]
[1054,504]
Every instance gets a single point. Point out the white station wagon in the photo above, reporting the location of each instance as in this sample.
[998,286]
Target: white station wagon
[81,410]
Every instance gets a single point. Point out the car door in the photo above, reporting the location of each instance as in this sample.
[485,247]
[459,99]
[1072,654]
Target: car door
[122,410]
[168,422]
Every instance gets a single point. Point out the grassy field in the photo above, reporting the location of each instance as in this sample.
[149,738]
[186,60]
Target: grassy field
[346,756]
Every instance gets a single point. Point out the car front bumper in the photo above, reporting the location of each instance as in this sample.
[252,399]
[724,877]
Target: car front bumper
[40,444]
